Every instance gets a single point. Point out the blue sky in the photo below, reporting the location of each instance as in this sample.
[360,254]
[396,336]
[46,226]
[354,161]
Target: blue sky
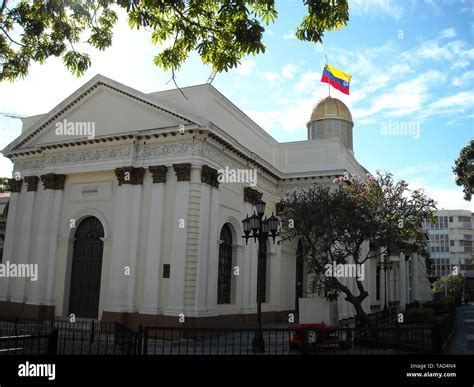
[411,63]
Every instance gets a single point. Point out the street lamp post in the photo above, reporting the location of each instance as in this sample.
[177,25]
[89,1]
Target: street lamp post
[386,265]
[260,229]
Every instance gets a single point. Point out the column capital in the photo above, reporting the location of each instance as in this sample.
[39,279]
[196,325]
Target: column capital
[31,183]
[130,175]
[251,195]
[209,176]
[158,173]
[279,207]
[182,171]
[53,181]
[15,185]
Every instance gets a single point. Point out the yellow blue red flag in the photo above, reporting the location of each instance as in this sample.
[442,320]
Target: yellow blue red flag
[336,78]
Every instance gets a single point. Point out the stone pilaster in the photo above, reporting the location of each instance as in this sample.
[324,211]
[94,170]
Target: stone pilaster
[10,246]
[179,248]
[125,240]
[402,281]
[26,224]
[414,277]
[153,258]
[50,204]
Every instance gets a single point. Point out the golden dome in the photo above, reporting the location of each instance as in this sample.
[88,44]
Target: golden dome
[331,108]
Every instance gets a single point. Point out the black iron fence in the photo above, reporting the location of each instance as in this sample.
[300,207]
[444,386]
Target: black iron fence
[34,344]
[98,338]
[78,338]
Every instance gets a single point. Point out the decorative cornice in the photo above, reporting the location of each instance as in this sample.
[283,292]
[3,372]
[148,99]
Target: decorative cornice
[158,173]
[251,195]
[209,176]
[130,175]
[53,181]
[183,171]
[31,183]
[15,185]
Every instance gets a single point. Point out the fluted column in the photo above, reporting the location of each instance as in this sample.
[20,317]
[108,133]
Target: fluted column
[402,281]
[207,264]
[382,284]
[249,270]
[10,247]
[178,253]
[50,201]
[27,204]
[151,296]
[126,227]
[414,277]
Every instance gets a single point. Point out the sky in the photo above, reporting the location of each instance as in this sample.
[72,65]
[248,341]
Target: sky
[411,63]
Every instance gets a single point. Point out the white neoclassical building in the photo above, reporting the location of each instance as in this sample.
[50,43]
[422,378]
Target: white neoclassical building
[116,200]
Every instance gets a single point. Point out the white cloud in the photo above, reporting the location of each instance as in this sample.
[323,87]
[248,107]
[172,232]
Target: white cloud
[445,198]
[246,67]
[390,8]
[289,71]
[401,68]
[306,81]
[405,98]
[290,35]
[448,33]
[271,77]
[464,79]
[460,64]
[460,100]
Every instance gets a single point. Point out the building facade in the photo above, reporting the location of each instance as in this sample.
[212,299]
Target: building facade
[116,199]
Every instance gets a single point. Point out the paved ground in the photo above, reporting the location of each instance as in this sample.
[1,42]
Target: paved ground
[463,340]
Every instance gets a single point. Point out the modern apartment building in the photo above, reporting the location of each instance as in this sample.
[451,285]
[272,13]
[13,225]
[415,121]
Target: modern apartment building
[451,242]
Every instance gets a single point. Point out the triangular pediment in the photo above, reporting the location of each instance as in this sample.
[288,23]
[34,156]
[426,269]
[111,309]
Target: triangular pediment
[101,108]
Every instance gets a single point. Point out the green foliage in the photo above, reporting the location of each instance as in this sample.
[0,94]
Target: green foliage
[419,316]
[4,185]
[333,225]
[451,284]
[464,170]
[221,31]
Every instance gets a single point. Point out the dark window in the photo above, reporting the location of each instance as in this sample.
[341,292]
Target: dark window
[224,284]
[166,271]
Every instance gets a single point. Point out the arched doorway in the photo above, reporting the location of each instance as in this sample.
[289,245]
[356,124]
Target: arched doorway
[224,283]
[299,276]
[86,269]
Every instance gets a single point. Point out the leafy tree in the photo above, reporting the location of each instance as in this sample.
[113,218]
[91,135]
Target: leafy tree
[464,170]
[335,222]
[4,185]
[451,285]
[221,31]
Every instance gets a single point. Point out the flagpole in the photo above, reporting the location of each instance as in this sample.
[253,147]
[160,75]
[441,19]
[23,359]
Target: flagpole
[329,85]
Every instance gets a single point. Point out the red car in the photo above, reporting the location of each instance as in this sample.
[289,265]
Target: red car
[319,336]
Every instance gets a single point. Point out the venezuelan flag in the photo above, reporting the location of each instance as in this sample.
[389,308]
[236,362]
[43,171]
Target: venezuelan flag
[336,78]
